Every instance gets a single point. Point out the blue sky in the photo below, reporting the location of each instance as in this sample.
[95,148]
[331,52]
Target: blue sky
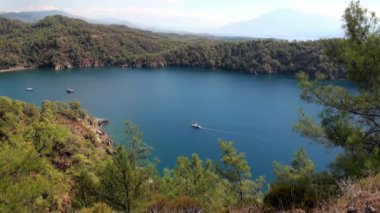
[182,14]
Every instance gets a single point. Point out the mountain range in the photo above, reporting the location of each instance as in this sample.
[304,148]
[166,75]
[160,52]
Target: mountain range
[285,24]
[33,16]
[281,24]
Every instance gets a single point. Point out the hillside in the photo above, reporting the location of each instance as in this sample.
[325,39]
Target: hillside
[60,42]
[43,151]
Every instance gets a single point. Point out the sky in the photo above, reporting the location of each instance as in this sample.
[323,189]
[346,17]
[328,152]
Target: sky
[182,14]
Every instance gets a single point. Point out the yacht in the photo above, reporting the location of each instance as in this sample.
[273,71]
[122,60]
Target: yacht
[29,89]
[70,91]
[196,126]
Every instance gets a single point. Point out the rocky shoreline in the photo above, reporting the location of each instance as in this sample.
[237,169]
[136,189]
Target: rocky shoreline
[155,64]
[88,128]
[16,68]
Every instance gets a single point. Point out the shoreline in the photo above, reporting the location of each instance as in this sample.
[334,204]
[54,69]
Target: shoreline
[23,68]
[17,68]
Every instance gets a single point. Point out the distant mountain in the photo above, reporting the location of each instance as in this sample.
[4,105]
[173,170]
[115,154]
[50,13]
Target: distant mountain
[113,21]
[285,24]
[33,16]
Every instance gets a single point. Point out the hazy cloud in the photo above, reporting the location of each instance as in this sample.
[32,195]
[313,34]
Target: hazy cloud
[181,14]
[333,8]
[39,8]
[167,1]
[148,15]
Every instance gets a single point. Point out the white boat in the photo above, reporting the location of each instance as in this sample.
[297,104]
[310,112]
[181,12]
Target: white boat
[196,126]
[29,89]
[70,91]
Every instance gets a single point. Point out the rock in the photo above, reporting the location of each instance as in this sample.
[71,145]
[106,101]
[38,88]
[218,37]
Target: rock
[370,209]
[352,210]
[58,67]
[109,142]
[160,64]
[97,63]
[68,65]
[102,122]
[99,132]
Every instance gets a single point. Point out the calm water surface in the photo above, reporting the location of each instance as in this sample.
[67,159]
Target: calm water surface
[256,112]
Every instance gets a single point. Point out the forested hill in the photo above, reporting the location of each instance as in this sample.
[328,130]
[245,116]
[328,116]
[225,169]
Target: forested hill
[60,42]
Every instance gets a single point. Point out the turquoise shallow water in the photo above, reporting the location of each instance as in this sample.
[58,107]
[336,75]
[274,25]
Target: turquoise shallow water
[257,112]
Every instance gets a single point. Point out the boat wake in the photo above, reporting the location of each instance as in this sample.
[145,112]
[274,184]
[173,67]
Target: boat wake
[217,130]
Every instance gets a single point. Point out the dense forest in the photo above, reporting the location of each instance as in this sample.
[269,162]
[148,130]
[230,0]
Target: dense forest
[57,158]
[60,42]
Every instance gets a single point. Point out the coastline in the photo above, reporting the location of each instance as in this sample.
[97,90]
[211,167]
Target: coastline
[16,69]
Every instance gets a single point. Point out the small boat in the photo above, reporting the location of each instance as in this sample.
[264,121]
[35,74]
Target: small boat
[70,91]
[29,89]
[196,126]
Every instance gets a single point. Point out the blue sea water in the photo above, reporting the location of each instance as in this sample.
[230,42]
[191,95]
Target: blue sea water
[256,112]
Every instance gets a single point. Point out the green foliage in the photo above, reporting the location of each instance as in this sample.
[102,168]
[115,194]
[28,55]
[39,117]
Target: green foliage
[350,121]
[301,168]
[290,196]
[40,156]
[210,187]
[97,208]
[234,167]
[127,181]
[198,181]
[255,57]
[48,162]
[27,182]
[298,186]
[124,185]
[178,204]
[138,149]
[59,42]
[86,189]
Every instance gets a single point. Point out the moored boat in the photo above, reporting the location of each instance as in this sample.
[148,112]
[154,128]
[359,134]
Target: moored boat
[70,91]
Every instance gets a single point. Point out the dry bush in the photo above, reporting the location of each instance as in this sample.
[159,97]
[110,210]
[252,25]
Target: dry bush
[358,196]
[177,205]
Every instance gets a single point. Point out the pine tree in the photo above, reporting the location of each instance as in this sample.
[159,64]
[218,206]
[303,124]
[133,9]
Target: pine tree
[349,120]
[126,180]
[27,182]
[198,181]
[296,185]
[234,167]
[301,168]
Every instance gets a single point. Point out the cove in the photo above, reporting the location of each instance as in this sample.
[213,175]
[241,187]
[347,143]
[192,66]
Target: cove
[256,112]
